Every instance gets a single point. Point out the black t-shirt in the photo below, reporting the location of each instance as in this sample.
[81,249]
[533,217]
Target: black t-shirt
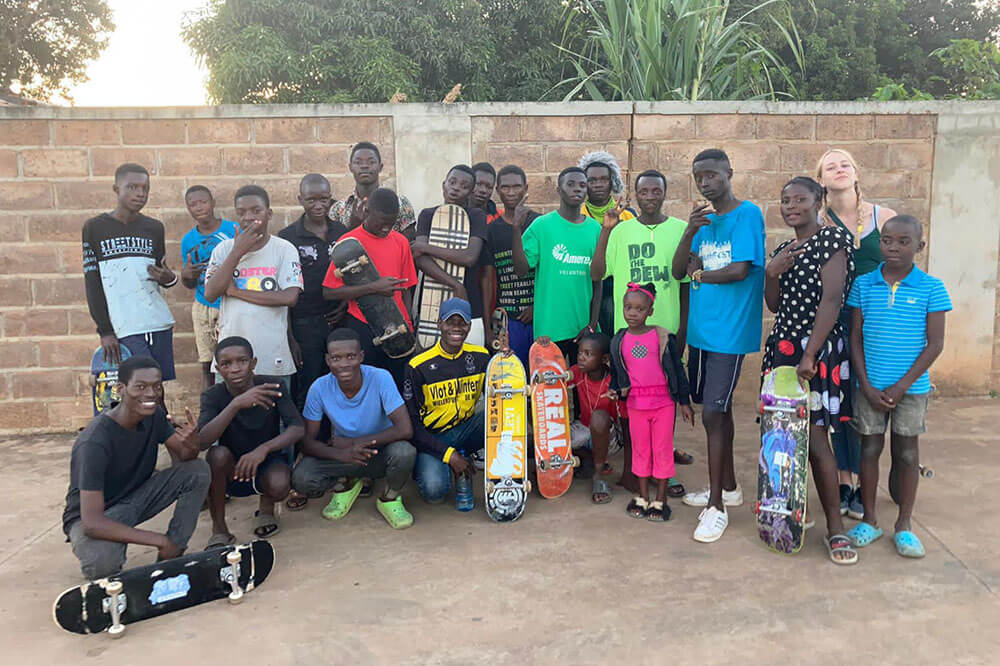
[250,427]
[109,458]
[314,256]
[513,293]
[477,228]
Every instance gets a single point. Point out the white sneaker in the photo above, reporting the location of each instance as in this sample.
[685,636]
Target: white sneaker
[729,497]
[711,524]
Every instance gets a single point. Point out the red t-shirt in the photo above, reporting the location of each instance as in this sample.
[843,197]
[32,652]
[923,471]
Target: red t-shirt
[391,258]
[592,396]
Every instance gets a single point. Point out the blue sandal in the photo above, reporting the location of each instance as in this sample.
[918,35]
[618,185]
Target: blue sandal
[863,534]
[908,545]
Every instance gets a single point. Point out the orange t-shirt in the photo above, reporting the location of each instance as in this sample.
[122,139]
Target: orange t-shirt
[391,257]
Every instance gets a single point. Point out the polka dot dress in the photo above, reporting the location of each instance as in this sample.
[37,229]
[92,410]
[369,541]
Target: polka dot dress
[800,292]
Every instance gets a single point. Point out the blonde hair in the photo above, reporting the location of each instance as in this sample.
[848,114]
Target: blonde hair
[857,189]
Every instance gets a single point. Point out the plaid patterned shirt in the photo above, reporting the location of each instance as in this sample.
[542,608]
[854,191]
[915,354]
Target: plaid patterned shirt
[341,212]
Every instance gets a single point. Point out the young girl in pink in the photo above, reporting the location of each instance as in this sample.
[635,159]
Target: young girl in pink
[648,374]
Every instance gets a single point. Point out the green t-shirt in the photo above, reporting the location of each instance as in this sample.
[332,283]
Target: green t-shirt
[560,251]
[641,254]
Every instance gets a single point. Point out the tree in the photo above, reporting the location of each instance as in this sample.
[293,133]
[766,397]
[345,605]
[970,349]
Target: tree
[46,44]
[368,50]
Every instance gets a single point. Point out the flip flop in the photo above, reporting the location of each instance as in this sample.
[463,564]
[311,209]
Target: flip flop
[863,534]
[600,487]
[219,539]
[839,543]
[658,512]
[675,488]
[342,502]
[683,457]
[264,525]
[296,501]
[908,545]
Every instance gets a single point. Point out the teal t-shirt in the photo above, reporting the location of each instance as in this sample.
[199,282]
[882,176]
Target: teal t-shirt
[641,254]
[560,251]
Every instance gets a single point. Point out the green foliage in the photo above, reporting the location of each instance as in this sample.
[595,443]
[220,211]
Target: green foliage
[45,45]
[892,92]
[367,50]
[678,49]
[974,68]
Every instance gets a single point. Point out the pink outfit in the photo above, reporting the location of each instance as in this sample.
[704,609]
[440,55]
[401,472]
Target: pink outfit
[651,410]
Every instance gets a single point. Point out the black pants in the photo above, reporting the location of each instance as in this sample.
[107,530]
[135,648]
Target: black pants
[374,355]
[311,333]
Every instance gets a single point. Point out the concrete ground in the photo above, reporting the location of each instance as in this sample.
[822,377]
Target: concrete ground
[569,583]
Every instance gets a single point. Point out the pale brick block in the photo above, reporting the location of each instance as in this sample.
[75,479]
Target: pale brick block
[87,133]
[25,195]
[218,130]
[785,127]
[104,161]
[527,156]
[664,127]
[717,128]
[911,155]
[190,161]
[253,160]
[284,130]
[55,163]
[845,128]
[8,164]
[22,259]
[24,133]
[158,132]
[905,127]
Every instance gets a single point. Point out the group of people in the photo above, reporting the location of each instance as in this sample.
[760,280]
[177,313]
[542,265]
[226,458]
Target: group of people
[653,314]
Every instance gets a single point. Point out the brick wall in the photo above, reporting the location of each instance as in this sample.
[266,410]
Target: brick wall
[55,173]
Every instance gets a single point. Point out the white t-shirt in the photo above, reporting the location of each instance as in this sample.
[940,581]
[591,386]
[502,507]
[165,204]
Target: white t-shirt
[272,268]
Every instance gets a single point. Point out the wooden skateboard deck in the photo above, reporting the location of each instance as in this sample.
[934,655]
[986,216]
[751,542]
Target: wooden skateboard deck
[550,411]
[386,320]
[104,379]
[506,468]
[449,229]
[163,587]
[783,463]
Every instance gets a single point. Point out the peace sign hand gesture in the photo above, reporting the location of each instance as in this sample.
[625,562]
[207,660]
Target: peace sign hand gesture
[784,259]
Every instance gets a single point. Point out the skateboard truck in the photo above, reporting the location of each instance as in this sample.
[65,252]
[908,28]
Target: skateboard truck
[114,590]
[350,266]
[558,462]
[389,333]
[233,557]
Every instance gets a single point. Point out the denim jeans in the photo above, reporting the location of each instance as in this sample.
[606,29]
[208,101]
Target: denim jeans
[434,476]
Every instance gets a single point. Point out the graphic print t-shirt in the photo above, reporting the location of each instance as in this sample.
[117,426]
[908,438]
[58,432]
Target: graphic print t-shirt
[641,254]
[274,267]
[122,298]
[560,251]
[196,248]
[726,318]
[513,293]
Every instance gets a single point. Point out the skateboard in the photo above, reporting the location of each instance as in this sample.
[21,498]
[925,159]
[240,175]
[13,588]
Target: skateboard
[104,379]
[506,469]
[925,472]
[498,326]
[162,587]
[783,471]
[386,320]
[449,229]
[550,411]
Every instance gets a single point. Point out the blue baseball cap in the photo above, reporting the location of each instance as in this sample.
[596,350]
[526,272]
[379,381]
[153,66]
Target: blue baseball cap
[455,306]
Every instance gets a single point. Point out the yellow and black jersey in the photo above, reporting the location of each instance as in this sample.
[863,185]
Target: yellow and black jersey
[441,391]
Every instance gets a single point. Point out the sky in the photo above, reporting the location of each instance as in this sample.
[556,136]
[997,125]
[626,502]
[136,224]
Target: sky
[147,52]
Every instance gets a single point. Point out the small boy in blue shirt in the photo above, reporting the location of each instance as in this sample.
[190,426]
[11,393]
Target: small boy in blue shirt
[897,333]
[196,249]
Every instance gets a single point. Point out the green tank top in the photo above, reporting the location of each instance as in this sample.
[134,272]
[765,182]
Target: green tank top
[867,255]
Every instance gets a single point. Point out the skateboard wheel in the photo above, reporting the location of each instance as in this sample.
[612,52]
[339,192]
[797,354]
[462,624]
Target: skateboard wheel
[338,273]
[116,632]
[490,392]
[761,408]
[527,485]
[233,557]
[363,260]
[490,487]
[798,515]
[801,411]
[576,461]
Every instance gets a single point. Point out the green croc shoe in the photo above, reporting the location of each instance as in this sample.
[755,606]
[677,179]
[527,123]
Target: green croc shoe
[394,513]
[341,503]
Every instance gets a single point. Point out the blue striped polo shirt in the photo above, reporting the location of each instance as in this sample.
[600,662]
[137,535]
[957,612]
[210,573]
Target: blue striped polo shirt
[895,328]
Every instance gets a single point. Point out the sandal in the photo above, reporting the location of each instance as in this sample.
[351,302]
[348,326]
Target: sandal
[637,507]
[908,545]
[837,544]
[265,525]
[366,488]
[220,539]
[682,457]
[342,502]
[296,501]
[675,488]
[600,491]
[863,534]
[658,512]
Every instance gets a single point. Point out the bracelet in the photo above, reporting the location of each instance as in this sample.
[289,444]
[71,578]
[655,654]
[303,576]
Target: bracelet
[447,455]
[172,282]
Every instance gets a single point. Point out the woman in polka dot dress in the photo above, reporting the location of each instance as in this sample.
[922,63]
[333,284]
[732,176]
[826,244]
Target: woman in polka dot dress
[807,282]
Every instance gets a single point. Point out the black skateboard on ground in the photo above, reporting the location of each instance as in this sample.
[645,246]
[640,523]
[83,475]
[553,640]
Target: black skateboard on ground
[162,587]
[389,327]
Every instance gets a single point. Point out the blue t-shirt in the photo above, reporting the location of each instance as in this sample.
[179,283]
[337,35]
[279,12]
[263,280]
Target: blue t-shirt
[365,414]
[895,324]
[726,318]
[196,248]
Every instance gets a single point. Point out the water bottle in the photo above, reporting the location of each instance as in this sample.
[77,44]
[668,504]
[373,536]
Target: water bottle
[464,499]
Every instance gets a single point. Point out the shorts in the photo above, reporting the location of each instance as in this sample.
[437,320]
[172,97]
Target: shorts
[206,330]
[713,377]
[251,488]
[579,437]
[159,345]
[908,418]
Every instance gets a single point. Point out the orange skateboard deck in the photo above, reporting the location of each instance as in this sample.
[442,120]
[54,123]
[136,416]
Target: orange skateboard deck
[550,411]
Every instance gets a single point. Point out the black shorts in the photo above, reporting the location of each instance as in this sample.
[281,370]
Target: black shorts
[158,345]
[713,377]
[250,488]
